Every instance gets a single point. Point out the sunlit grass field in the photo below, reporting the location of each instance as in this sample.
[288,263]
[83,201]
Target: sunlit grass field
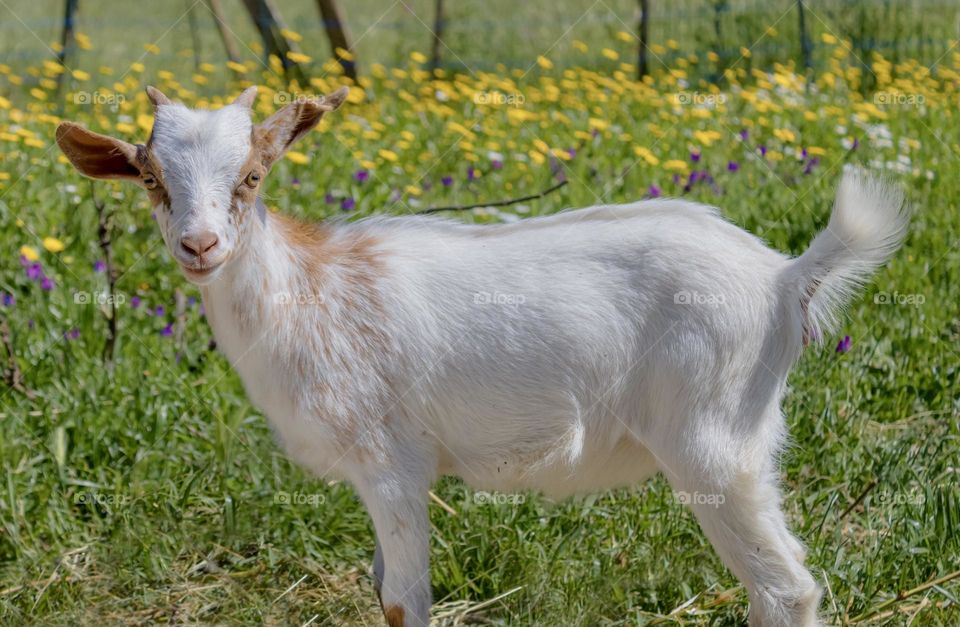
[153,491]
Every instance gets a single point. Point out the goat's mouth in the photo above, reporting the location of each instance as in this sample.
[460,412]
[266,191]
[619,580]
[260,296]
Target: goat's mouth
[200,272]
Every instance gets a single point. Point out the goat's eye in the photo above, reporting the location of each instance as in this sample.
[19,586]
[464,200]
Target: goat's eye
[149,181]
[253,179]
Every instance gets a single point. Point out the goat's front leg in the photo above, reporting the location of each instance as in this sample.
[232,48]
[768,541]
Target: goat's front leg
[398,507]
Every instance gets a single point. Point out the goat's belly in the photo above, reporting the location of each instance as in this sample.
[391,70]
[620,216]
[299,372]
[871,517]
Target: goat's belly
[596,469]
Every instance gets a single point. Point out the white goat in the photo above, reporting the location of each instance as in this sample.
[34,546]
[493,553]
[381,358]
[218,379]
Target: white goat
[576,352]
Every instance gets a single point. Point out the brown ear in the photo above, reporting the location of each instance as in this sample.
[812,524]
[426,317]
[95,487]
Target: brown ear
[98,156]
[276,134]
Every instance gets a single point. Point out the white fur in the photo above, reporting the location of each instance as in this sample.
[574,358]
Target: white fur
[569,353]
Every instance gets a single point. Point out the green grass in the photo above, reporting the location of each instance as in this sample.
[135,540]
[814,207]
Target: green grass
[153,491]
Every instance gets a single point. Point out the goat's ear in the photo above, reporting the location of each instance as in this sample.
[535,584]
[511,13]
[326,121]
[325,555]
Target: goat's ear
[98,156]
[276,134]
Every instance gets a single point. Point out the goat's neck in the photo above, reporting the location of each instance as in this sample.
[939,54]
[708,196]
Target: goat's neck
[272,267]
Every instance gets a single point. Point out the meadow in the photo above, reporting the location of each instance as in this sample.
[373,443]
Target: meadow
[151,491]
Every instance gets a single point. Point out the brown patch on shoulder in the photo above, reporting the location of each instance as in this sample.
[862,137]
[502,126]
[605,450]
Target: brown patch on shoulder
[394,615]
[339,275]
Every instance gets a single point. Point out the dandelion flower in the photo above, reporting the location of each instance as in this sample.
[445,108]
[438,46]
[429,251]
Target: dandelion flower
[53,244]
[29,253]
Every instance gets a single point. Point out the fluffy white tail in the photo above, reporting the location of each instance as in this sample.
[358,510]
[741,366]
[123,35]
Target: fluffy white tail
[868,224]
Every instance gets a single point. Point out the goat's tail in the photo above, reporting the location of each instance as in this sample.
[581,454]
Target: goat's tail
[868,224]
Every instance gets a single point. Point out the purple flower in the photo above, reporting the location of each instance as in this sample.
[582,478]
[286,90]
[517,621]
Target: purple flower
[361,176]
[803,153]
[192,301]
[99,266]
[695,157]
[24,261]
[295,181]
[159,311]
[856,142]
[572,152]
[167,331]
[135,301]
[811,165]
[347,204]
[496,164]
[676,179]
[744,134]
[47,284]
[732,166]
[763,150]
[330,199]
[72,334]
[9,300]
[653,191]
[447,181]
[472,173]
[154,216]
[844,345]
[35,272]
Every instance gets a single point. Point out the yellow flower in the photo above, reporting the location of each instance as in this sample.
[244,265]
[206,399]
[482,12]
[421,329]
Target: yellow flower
[297,157]
[298,57]
[53,244]
[290,34]
[597,123]
[579,45]
[418,57]
[29,252]
[389,155]
[610,54]
[624,36]
[784,135]
[706,137]
[152,48]
[544,62]
[675,165]
[80,75]
[645,154]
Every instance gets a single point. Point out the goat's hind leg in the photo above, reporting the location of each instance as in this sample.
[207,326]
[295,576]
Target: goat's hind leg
[737,502]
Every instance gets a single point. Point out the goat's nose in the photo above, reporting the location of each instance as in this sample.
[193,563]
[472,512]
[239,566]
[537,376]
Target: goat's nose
[199,243]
